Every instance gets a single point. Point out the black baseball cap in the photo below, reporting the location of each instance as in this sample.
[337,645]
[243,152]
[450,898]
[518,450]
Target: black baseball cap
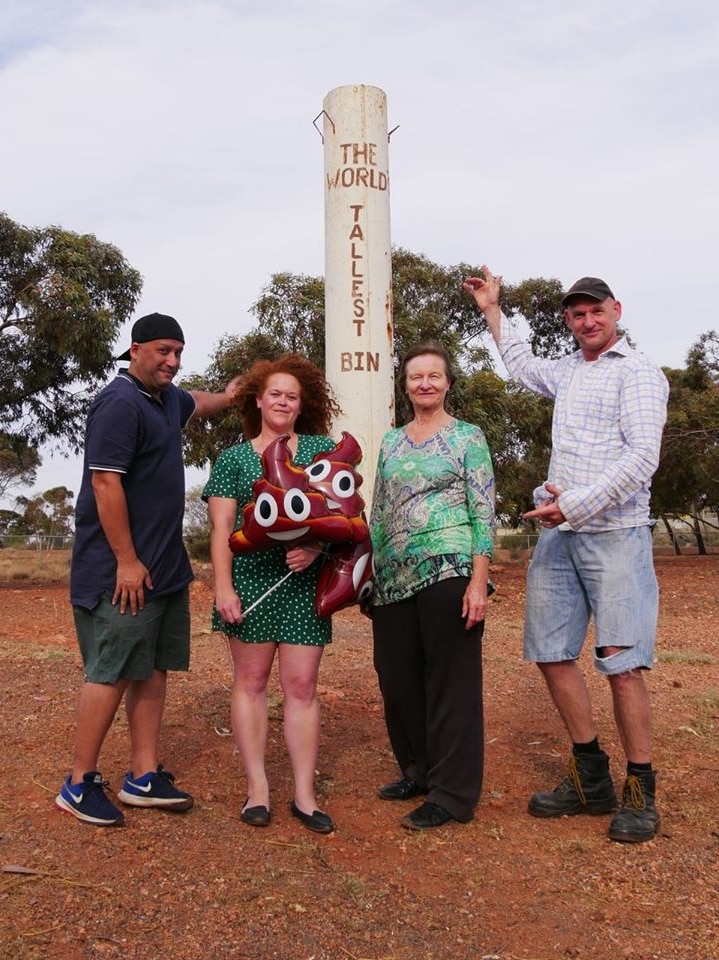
[154,326]
[591,287]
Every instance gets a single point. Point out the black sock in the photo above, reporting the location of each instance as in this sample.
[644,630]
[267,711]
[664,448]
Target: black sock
[591,747]
[635,768]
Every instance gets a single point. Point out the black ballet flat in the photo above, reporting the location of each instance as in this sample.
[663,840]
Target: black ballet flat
[258,816]
[317,821]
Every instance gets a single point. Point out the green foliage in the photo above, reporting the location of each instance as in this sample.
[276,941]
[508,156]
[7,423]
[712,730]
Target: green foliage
[702,370]
[205,439]
[517,424]
[9,520]
[428,304]
[539,302]
[63,299]
[19,462]
[290,319]
[687,481]
[291,311]
[196,528]
[46,518]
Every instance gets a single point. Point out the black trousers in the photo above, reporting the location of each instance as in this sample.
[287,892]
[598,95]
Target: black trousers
[430,674]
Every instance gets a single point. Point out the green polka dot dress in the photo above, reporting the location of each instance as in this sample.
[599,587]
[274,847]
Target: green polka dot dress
[287,615]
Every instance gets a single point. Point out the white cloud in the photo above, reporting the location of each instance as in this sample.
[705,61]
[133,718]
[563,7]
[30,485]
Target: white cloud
[548,139]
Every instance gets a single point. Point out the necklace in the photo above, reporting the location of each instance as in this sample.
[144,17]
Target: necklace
[261,442]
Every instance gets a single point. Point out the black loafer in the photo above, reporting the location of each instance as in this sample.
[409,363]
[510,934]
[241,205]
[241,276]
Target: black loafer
[426,816]
[317,821]
[400,790]
[256,816]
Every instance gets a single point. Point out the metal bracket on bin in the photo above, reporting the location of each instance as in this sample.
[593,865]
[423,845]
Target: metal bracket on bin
[323,113]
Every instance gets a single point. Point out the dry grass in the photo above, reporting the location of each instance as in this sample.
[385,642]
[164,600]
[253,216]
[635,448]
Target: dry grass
[708,712]
[685,656]
[29,565]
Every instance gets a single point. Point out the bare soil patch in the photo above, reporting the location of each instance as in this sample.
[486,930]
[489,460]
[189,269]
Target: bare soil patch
[506,886]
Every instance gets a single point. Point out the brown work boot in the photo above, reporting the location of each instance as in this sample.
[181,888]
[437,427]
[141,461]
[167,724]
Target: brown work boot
[588,788]
[638,820]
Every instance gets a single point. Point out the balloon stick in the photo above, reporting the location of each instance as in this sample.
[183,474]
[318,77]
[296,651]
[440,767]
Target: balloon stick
[267,593]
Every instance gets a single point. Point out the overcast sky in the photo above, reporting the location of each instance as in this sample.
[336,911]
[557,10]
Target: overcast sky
[552,139]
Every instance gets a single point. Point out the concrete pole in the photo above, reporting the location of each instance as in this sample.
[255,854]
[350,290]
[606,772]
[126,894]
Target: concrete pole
[358,267]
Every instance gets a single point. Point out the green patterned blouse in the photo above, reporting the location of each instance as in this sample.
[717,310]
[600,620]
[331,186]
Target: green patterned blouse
[432,509]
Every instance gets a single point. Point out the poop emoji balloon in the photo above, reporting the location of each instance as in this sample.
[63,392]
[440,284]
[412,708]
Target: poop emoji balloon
[292,506]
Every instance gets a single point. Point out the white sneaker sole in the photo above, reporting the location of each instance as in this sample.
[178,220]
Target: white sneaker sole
[133,800]
[62,804]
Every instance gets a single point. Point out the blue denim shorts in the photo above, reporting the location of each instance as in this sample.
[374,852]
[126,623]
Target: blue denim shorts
[609,576]
[119,646]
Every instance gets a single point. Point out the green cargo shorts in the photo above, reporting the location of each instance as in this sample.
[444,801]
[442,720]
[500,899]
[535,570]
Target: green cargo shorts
[117,646]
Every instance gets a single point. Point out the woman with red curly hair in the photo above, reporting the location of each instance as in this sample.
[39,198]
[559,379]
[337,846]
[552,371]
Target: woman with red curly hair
[291,397]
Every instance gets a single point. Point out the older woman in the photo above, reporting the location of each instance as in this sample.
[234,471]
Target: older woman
[289,397]
[432,525]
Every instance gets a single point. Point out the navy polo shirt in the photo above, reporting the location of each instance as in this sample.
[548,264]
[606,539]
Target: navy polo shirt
[131,433]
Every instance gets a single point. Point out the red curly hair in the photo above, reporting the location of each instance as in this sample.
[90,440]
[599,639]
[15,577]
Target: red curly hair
[318,405]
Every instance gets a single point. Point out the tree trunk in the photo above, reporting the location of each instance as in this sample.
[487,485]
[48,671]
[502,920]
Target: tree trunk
[696,525]
[672,536]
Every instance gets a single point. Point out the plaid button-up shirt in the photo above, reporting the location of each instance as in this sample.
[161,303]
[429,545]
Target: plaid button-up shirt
[606,432]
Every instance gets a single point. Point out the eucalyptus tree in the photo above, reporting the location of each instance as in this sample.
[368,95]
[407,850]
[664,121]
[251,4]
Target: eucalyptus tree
[63,299]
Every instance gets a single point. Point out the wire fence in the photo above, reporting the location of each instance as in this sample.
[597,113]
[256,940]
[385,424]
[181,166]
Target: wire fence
[509,544]
[517,545]
[37,542]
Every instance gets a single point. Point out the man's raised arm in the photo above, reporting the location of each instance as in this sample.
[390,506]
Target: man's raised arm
[485,291]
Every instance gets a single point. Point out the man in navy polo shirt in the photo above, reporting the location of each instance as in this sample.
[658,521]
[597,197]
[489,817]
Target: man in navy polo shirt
[130,576]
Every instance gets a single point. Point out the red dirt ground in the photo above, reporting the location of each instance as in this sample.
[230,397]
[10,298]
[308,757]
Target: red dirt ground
[505,887]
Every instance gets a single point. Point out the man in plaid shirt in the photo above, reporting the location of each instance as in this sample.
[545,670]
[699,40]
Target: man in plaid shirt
[594,555]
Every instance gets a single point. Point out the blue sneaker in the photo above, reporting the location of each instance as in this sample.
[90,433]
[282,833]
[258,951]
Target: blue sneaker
[154,790]
[87,801]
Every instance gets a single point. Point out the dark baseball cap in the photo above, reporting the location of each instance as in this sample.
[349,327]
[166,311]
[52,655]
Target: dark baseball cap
[154,326]
[591,287]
